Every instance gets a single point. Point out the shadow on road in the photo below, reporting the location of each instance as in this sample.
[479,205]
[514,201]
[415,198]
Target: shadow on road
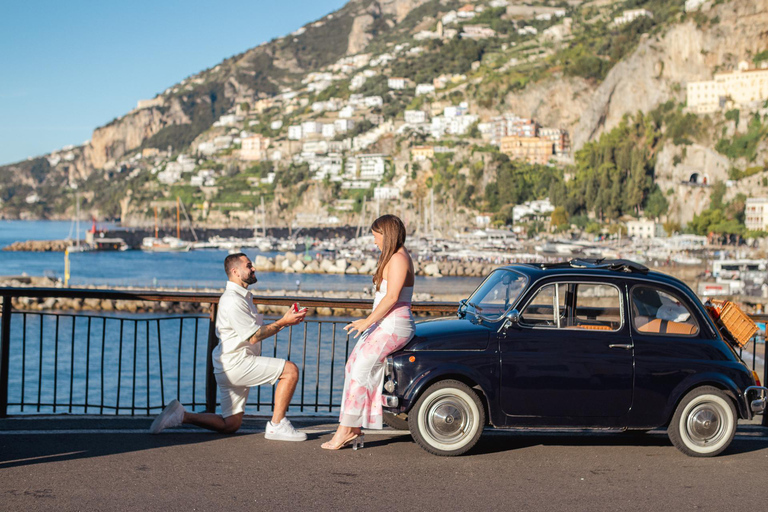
[22,450]
[511,441]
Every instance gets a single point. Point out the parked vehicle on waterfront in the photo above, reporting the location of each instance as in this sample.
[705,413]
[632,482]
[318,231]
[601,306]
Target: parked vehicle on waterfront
[585,344]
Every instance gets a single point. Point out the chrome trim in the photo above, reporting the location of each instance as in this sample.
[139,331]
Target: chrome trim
[619,345]
[389,401]
[757,406]
[389,366]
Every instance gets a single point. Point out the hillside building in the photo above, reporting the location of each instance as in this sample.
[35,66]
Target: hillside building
[422,153]
[645,228]
[533,150]
[254,147]
[398,83]
[631,15]
[742,87]
[756,214]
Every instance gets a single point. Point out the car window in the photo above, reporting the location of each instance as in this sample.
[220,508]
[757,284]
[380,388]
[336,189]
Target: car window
[547,307]
[597,307]
[655,311]
[497,293]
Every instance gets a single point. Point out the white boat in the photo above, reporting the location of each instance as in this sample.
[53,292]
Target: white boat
[165,244]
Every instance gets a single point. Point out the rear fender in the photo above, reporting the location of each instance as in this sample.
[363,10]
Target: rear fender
[718,380]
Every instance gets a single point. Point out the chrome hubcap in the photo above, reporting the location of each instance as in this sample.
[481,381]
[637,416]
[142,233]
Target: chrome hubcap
[448,419]
[705,425]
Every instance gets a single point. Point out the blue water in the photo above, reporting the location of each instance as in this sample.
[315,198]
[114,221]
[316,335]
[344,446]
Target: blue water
[194,269]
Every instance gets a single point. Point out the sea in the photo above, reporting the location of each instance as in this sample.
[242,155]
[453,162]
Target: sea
[113,361]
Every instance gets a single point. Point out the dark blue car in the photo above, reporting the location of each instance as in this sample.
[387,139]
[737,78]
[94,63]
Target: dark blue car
[591,344]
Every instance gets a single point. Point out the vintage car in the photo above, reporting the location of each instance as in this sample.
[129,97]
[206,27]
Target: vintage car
[585,343]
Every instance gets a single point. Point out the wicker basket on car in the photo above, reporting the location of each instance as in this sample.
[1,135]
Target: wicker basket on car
[738,326]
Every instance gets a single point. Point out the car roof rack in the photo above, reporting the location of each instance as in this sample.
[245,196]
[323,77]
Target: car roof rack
[601,263]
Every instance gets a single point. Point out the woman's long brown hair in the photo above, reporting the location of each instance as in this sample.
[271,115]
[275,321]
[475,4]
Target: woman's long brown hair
[392,230]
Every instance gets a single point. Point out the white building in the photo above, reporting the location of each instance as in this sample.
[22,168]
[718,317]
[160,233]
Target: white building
[315,147]
[527,30]
[693,5]
[743,87]
[645,228]
[631,15]
[371,167]
[422,89]
[756,214]
[276,125]
[397,83]
[357,81]
[294,132]
[537,208]
[415,116]
[310,127]
[385,193]
[228,120]
[343,125]
[329,130]
[373,101]
[347,112]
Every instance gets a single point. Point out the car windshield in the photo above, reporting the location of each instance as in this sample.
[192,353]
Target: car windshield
[497,294]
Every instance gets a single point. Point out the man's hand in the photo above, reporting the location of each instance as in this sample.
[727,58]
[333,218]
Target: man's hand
[290,318]
[293,317]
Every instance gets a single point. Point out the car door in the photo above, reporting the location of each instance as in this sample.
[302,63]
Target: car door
[570,356]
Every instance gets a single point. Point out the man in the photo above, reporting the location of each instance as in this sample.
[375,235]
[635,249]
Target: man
[238,364]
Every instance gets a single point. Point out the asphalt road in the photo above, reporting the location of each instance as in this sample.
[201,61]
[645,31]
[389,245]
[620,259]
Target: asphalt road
[116,466]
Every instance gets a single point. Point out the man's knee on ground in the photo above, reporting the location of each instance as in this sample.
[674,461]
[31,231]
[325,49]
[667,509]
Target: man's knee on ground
[290,372]
[232,424]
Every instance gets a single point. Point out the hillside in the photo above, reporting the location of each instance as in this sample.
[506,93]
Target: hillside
[426,107]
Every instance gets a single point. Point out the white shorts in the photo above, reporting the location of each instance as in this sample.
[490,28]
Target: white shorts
[235,382]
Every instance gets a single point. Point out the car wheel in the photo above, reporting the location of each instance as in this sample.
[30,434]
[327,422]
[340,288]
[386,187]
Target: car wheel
[704,423]
[448,419]
[395,421]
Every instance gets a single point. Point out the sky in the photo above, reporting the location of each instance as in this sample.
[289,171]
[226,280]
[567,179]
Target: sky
[67,67]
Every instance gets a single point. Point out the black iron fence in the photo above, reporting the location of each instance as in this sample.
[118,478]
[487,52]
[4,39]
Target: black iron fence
[132,363]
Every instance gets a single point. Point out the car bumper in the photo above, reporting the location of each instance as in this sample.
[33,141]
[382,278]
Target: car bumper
[389,401]
[758,404]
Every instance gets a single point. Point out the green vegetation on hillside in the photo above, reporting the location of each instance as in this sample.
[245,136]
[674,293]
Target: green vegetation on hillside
[744,145]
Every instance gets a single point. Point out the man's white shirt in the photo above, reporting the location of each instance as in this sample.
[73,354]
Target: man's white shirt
[236,321]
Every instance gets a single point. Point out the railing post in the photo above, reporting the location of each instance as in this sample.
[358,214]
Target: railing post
[210,380]
[5,354]
[765,375]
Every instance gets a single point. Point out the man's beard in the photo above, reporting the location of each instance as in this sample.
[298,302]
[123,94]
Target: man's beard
[250,279]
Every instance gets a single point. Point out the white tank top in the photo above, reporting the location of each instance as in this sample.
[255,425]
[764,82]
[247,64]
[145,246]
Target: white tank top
[406,294]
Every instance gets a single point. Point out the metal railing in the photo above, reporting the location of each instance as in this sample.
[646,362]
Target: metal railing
[130,363]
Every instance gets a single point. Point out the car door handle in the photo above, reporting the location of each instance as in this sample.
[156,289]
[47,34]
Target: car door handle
[617,345]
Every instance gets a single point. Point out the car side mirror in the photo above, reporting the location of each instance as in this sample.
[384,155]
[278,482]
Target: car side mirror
[462,308]
[511,317]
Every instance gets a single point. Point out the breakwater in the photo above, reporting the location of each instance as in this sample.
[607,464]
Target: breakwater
[291,263]
[107,305]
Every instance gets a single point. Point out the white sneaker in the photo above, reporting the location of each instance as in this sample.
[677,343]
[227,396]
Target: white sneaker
[283,431]
[172,416]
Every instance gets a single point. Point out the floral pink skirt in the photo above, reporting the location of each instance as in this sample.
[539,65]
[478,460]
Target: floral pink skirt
[364,374]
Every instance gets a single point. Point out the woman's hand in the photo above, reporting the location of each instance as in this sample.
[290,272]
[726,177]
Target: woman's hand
[358,325]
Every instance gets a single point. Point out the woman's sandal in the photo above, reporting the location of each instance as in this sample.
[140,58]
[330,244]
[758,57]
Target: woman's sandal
[357,441]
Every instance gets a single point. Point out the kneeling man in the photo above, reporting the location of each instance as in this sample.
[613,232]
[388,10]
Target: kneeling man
[238,364]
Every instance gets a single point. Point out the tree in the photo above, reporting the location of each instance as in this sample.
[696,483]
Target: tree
[559,219]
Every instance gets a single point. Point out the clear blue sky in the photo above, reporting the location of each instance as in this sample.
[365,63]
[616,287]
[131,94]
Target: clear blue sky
[69,66]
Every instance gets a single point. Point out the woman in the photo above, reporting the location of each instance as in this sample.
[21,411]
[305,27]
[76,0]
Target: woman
[387,329]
